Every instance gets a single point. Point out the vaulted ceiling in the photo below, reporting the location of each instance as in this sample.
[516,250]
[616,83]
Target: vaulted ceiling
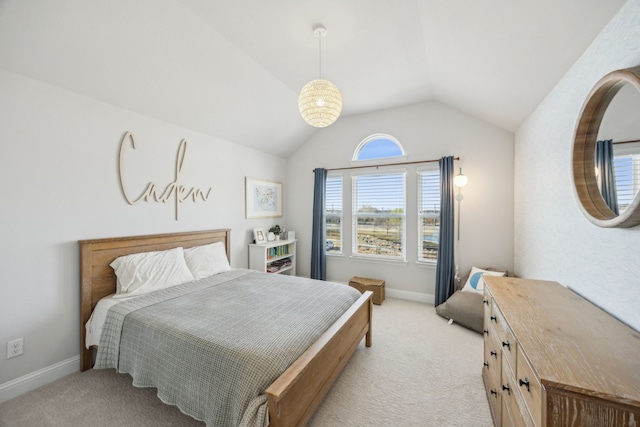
[233,69]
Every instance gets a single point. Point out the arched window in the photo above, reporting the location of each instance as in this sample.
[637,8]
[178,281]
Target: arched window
[378,146]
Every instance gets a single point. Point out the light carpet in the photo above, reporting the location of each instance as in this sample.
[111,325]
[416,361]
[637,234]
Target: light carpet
[420,371]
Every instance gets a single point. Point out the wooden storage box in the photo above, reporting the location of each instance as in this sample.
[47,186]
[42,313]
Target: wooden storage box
[374,285]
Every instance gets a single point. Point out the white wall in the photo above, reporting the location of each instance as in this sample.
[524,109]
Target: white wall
[553,240]
[60,184]
[426,131]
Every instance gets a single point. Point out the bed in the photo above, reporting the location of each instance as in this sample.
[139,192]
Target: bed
[294,396]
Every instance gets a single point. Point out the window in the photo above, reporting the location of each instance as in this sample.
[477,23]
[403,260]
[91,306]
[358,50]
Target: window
[378,146]
[428,214]
[378,204]
[627,174]
[333,214]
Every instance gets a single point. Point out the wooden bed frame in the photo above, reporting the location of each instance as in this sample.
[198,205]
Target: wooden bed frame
[296,394]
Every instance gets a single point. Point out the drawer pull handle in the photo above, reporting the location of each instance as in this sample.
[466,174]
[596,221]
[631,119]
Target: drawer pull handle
[494,354]
[494,318]
[506,387]
[486,301]
[506,344]
[486,364]
[494,392]
[524,382]
[485,331]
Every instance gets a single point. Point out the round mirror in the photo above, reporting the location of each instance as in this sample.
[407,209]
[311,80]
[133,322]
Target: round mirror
[606,151]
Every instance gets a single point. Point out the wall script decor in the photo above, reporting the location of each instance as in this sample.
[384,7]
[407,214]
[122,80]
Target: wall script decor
[174,189]
[263,199]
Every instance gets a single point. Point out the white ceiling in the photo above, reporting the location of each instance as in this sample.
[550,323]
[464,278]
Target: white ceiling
[232,69]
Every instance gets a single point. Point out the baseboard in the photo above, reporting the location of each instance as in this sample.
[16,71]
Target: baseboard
[36,379]
[406,295]
[411,296]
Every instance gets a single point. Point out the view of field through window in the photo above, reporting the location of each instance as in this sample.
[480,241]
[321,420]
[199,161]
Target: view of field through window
[379,214]
[428,214]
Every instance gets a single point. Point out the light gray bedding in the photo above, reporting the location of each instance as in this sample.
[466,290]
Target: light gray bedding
[213,346]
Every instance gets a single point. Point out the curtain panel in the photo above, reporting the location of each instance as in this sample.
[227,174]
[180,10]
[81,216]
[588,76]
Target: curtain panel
[318,254]
[606,174]
[445,268]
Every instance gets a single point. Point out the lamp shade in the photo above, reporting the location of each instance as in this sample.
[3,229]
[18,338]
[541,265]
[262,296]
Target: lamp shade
[460,180]
[320,103]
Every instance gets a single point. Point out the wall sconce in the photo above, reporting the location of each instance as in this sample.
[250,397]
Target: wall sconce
[460,181]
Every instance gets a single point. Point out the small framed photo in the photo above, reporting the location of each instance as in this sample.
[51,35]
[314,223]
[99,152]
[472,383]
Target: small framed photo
[259,236]
[263,199]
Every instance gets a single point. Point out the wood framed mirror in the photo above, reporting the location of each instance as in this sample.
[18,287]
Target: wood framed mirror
[616,99]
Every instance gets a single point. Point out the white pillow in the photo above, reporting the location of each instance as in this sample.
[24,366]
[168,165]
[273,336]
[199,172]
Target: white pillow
[475,282]
[207,260]
[145,272]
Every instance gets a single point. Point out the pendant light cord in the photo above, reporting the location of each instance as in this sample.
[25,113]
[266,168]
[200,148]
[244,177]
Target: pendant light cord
[320,55]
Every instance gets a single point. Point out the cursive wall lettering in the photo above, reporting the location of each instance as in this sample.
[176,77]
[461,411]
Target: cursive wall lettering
[173,190]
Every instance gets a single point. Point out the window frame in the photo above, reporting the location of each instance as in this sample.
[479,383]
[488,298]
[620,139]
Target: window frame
[340,176]
[355,215]
[420,172]
[631,152]
[375,137]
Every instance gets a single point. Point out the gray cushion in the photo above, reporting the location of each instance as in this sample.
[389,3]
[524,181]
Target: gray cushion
[465,308]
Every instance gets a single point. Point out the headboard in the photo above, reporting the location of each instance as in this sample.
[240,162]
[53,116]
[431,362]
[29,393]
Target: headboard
[97,278]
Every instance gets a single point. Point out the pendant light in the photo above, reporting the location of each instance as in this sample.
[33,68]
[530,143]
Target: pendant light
[320,101]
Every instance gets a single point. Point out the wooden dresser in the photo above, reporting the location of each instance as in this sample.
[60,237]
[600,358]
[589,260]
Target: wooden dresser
[551,358]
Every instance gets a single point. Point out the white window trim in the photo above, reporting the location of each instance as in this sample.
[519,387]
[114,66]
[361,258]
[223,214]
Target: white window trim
[375,136]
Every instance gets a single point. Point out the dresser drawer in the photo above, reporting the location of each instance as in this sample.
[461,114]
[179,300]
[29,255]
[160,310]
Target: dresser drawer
[513,411]
[506,340]
[529,387]
[492,386]
[492,359]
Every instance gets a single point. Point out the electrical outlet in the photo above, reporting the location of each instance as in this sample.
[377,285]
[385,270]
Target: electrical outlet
[15,348]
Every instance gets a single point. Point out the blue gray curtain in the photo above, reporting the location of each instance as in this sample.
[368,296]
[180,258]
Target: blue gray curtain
[606,174]
[445,269]
[318,254]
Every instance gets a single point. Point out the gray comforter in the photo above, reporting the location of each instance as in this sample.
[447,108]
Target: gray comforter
[213,346]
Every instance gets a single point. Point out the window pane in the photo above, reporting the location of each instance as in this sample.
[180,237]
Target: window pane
[379,214]
[627,176]
[428,215]
[333,214]
[379,148]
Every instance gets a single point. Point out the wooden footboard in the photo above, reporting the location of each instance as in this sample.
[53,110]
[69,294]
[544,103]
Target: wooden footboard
[296,394]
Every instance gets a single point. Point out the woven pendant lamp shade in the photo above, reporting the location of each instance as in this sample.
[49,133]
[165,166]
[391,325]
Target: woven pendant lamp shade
[320,103]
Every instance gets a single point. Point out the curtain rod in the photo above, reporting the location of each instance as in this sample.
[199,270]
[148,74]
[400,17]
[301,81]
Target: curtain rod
[627,142]
[386,164]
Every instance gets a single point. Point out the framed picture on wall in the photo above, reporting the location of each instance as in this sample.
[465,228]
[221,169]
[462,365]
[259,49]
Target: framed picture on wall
[259,236]
[263,199]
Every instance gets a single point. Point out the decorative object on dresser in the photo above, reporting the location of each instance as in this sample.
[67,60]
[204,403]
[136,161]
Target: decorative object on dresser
[364,284]
[274,257]
[552,358]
